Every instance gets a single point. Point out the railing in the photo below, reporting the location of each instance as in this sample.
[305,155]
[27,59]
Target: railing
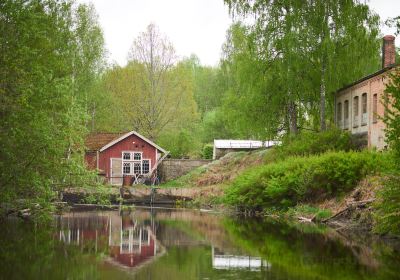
[250,145]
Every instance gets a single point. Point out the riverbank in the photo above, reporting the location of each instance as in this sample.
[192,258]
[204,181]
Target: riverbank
[312,178]
[321,178]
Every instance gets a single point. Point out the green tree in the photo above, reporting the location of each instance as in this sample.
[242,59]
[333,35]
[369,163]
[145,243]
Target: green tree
[42,117]
[316,46]
[392,112]
[89,58]
[162,89]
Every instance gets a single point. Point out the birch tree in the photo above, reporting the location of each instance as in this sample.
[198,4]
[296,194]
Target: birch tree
[160,91]
[321,45]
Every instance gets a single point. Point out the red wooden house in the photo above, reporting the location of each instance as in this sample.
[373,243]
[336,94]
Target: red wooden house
[116,155]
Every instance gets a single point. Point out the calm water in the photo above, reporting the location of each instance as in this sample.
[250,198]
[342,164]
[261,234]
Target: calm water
[181,244]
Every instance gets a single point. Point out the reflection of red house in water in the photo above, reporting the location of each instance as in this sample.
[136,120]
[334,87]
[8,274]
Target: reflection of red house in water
[135,245]
[129,242]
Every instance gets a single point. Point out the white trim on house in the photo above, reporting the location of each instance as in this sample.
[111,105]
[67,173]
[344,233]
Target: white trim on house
[132,161]
[129,134]
[114,181]
[149,165]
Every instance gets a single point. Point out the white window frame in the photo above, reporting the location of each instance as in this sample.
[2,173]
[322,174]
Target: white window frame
[141,156]
[130,167]
[149,160]
[126,152]
[139,163]
[132,162]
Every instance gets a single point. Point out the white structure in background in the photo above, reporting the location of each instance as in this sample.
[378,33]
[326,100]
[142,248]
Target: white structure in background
[222,147]
[222,261]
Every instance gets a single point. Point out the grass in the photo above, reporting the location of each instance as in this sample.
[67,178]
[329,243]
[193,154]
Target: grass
[185,180]
[295,180]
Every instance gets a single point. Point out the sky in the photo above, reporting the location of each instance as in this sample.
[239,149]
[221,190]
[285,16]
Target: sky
[193,26]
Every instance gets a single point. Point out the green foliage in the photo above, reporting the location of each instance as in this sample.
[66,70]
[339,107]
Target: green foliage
[51,52]
[295,53]
[185,180]
[309,251]
[208,151]
[305,210]
[392,112]
[312,143]
[387,214]
[153,94]
[302,179]
[214,126]
[98,195]
[180,144]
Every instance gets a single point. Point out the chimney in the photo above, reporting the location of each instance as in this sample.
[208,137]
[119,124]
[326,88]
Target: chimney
[388,51]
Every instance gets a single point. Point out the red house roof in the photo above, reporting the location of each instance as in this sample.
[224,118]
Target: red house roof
[95,141]
[102,141]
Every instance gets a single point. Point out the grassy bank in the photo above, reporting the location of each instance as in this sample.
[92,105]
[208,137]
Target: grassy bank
[313,175]
[308,179]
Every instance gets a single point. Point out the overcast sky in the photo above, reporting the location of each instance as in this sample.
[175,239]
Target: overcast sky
[193,26]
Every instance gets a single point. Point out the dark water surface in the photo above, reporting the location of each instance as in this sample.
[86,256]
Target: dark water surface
[183,244]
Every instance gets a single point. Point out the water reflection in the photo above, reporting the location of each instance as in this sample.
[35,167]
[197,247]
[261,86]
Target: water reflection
[129,241]
[223,260]
[177,244]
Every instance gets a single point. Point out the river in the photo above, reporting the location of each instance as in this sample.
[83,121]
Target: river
[178,244]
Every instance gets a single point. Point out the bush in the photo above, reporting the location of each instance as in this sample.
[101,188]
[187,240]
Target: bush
[208,151]
[302,179]
[387,214]
[312,143]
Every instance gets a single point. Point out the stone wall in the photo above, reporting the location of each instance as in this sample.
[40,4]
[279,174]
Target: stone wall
[173,168]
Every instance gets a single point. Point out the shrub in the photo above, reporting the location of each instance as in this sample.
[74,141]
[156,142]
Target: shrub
[302,179]
[392,112]
[387,214]
[312,143]
[208,151]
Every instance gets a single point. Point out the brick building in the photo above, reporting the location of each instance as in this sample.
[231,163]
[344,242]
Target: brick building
[359,106]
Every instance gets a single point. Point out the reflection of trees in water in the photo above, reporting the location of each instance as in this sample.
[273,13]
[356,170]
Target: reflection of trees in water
[221,243]
[309,251]
[29,251]
[199,245]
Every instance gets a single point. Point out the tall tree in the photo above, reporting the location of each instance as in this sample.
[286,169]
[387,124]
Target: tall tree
[325,43]
[42,118]
[161,90]
[89,58]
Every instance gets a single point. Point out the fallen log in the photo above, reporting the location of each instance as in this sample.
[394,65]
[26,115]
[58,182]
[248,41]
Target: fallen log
[350,206]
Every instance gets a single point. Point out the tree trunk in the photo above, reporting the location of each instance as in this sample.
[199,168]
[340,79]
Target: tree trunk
[323,97]
[292,117]
[93,116]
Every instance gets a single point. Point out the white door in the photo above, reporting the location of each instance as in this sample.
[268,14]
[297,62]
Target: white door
[116,171]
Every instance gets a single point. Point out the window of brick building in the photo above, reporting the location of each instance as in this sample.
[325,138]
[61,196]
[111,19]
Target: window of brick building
[364,117]
[375,108]
[339,114]
[355,111]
